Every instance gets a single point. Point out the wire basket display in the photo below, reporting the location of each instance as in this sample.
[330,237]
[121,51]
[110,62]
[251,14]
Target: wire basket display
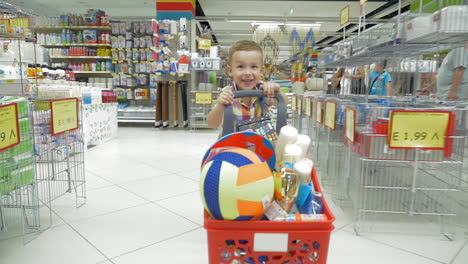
[59,157]
[422,184]
[19,203]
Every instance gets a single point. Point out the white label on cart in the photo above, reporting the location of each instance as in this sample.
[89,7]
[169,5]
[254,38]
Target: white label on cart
[271,242]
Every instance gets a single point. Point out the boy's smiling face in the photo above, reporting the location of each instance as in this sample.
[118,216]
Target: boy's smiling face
[246,69]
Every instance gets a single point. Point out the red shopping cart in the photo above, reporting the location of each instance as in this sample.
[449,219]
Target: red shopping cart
[268,242]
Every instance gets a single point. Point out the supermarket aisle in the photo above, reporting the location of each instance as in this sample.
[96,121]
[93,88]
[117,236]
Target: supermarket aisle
[144,207]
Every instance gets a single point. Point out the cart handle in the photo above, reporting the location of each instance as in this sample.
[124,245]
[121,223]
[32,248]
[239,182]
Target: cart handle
[281,119]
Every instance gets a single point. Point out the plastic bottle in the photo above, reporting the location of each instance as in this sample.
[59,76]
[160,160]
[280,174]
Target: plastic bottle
[302,217]
[103,66]
[39,71]
[64,37]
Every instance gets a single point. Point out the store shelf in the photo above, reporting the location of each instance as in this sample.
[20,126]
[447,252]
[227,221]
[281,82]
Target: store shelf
[55,28]
[12,81]
[75,45]
[14,36]
[94,72]
[82,57]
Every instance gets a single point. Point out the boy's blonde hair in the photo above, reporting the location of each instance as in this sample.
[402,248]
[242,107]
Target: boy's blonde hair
[244,45]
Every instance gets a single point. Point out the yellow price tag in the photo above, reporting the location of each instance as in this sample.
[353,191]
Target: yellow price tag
[173,73]
[158,73]
[419,129]
[181,75]
[319,112]
[64,115]
[344,16]
[308,107]
[350,124]
[203,98]
[330,114]
[204,44]
[293,103]
[9,126]
[10,81]
[299,106]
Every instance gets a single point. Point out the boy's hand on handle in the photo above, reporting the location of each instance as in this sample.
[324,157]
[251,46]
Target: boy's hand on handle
[226,97]
[270,88]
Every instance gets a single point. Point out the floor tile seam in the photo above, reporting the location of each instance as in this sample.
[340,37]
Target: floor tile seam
[79,234]
[88,189]
[155,243]
[103,214]
[133,181]
[152,165]
[403,250]
[341,228]
[458,252]
[155,203]
[90,243]
[96,175]
[167,209]
[163,199]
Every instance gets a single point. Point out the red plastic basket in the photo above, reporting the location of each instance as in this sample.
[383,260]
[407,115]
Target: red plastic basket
[236,242]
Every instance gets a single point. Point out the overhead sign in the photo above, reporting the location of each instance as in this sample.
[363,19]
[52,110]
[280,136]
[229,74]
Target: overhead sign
[344,16]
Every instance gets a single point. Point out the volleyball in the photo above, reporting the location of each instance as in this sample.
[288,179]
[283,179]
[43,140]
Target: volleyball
[236,184]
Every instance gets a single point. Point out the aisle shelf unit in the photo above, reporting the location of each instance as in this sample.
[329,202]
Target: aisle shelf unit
[75,45]
[81,57]
[383,182]
[76,59]
[58,28]
[410,35]
[19,201]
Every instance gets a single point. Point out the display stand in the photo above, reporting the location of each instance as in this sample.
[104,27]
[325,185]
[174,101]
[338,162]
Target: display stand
[19,201]
[59,150]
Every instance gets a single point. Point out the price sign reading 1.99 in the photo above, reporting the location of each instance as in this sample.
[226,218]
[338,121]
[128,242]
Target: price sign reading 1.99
[203,98]
[64,115]
[9,128]
[419,129]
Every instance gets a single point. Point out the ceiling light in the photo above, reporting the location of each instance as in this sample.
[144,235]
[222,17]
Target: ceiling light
[303,25]
[249,21]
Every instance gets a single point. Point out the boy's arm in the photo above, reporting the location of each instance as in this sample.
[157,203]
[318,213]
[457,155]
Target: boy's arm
[215,116]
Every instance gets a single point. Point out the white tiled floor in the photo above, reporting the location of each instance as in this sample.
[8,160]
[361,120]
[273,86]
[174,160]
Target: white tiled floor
[144,207]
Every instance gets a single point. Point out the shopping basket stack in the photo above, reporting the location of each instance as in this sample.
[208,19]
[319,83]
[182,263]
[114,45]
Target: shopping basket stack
[269,242]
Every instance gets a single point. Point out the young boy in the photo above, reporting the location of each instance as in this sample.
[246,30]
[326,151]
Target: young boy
[245,67]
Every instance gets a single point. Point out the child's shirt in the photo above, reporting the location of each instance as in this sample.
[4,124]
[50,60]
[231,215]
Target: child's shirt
[379,83]
[242,111]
